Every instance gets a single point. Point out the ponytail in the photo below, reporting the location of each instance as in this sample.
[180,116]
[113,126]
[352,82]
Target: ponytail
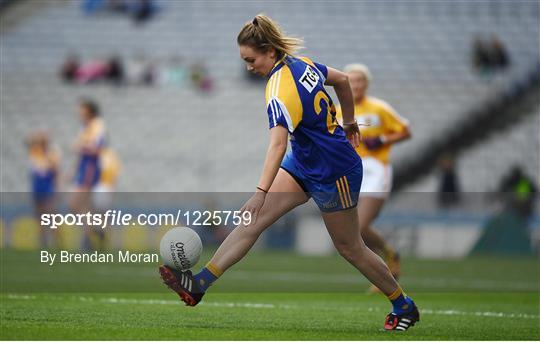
[262,33]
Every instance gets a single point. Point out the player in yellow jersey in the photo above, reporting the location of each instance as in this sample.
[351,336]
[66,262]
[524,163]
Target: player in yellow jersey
[322,165]
[381,127]
[103,192]
[110,166]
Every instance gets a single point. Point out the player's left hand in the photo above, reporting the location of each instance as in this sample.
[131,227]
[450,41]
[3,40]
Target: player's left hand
[254,205]
[373,143]
[353,133]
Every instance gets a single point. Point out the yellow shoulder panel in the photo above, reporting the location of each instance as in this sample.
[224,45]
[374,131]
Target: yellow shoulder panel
[287,93]
[270,85]
[308,61]
[388,111]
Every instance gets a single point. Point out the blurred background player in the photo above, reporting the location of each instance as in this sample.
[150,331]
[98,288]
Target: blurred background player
[322,165]
[44,175]
[110,166]
[103,192]
[88,145]
[381,127]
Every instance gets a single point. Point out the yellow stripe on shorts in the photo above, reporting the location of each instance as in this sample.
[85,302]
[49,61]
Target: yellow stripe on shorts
[347,204]
[348,190]
[340,193]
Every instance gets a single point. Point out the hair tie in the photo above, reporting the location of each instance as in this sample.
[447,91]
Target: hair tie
[255,22]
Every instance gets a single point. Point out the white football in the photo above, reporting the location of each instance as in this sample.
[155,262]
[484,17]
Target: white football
[180,248]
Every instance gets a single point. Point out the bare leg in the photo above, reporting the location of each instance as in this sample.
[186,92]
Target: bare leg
[80,203]
[343,229]
[48,237]
[284,195]
[368,210]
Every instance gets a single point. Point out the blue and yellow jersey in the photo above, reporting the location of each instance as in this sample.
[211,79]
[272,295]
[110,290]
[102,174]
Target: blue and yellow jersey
[92,137]
[376,117]
[43,170]
[296,99]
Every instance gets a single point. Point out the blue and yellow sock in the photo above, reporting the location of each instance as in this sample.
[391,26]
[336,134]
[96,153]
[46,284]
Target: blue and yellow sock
[207,276]
[400,302]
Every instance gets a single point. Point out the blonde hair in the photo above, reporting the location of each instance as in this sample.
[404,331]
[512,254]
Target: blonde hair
[361,68]
[262,33]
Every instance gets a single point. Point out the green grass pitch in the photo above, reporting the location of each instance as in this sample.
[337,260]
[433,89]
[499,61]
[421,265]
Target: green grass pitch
[268,296]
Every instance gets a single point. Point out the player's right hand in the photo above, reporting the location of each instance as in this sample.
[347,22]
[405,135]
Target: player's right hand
[353,133]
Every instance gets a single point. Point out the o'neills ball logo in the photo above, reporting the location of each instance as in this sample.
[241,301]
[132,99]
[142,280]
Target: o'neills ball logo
[178,255]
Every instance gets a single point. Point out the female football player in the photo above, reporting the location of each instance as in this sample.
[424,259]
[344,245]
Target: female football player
[44,175]
[88,146]
[323,165]
[381,127]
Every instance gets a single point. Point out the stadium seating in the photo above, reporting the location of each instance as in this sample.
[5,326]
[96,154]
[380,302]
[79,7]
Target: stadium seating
[181,140]
[481,168]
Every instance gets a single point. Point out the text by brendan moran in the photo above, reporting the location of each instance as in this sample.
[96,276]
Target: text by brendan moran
[98,257]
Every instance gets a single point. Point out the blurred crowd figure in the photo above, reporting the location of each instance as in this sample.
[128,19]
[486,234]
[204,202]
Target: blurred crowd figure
[200,77]
[110,71]
[519,192]
[139,11]
[140,71]
[70,68]
[507,230]
[137,71]
[489,56]
[449,185]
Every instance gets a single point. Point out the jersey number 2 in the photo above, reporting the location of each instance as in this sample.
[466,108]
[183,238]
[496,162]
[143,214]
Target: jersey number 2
[331,122]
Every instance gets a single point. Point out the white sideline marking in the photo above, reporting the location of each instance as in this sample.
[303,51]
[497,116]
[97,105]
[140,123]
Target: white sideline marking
[114,300]
[17,296]
[471,313]
[353,278]
[478,313]
[247,305]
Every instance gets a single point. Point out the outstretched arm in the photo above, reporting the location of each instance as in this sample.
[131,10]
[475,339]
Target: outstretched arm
[274,156]
[387,139]
[395,137]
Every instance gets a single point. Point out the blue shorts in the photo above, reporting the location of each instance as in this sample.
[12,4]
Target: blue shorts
[337,195]
[88,172]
